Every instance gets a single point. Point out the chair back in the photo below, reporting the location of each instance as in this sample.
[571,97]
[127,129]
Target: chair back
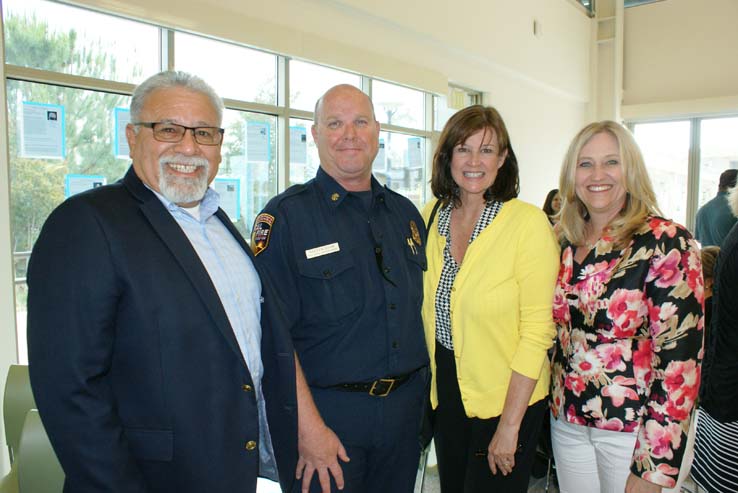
[17,401]
[39,470]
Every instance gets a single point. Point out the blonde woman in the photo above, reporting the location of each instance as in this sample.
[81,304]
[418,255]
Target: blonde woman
[628,308]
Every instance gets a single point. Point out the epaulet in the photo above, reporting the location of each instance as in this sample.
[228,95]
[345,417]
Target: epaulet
[290,192]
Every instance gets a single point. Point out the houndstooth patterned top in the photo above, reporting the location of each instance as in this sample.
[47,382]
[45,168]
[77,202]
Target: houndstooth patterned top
[451,268]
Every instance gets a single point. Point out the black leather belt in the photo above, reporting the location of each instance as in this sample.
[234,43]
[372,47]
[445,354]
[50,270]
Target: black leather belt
[378,388]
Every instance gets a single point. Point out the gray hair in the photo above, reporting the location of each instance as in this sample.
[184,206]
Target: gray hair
[169,79]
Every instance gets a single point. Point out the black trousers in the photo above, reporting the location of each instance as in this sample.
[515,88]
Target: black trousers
[461,442]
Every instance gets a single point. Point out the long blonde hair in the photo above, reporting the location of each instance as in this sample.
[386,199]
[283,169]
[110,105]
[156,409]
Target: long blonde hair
[640,199]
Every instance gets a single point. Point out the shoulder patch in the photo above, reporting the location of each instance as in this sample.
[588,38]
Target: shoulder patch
[261,232]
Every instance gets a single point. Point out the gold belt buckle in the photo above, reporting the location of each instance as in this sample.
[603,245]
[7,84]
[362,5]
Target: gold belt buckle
[391,382]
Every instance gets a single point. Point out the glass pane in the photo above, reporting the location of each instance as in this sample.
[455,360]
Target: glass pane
[309,81]
[61,141]
[304,160]
[247,177]
[234,72]
[400,164]
[51,36]
[397,105]
[718,152]
[665,148]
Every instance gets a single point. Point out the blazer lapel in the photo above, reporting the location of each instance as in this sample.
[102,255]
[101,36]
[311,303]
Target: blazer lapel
[174,238]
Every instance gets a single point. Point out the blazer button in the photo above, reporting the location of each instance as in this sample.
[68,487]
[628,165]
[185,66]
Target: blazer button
[246,387]
[250,445]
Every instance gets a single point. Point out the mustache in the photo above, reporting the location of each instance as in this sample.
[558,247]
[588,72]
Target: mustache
[182,159]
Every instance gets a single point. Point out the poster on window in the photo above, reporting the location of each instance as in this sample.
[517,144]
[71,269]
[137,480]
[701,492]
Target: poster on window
[257,142]
[229,190]
[42,131]
[380,161]
[121,118]
[74,184]
[298,145]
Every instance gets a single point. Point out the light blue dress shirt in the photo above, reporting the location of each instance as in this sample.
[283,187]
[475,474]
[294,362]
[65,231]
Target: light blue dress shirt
[239,288]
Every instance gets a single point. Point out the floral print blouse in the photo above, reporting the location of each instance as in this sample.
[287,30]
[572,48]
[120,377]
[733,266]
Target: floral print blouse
[629,342]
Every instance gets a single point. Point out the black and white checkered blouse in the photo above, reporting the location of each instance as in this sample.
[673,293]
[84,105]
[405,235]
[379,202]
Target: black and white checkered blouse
[451,268]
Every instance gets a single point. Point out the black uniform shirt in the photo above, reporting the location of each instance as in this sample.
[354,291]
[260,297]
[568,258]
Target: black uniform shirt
[349,272]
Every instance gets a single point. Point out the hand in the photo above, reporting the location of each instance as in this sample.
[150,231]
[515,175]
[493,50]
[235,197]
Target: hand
[502,448]
[634,484]
[318,448]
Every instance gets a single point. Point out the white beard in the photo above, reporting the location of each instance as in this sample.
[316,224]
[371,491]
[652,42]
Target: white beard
[180,189]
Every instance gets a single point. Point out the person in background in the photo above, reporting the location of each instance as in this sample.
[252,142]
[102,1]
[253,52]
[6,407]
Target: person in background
[348,256]
[714,219]
[628,308]
[157,355]
[552,205]
[715,466]
[492,262]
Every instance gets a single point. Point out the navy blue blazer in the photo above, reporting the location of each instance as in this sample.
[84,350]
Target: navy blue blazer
[135,369]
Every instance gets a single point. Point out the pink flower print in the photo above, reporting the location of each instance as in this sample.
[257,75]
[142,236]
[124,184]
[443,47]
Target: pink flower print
[571,416]
[665,269]
[575,383]
[659,314]
[614,355]
[663,439]
[664,475]
[586,363]
[565,271]
[626,310]
[619,390]
[643,363]
[681,383]
[612,424]
[660,226]
[693,267]
[561,313]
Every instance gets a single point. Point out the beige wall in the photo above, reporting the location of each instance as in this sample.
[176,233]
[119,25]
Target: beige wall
[680,58]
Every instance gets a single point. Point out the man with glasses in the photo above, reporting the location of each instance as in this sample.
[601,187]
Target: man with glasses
[148,361]
[347,256]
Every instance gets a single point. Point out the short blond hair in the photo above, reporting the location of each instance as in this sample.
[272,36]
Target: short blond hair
[640,201]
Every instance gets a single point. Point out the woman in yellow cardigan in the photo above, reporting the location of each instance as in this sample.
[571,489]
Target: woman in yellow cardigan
[492,264]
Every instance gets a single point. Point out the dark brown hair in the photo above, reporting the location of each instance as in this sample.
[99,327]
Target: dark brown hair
[460,127]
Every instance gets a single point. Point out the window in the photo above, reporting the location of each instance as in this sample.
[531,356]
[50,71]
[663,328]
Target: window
[42,175]
[68,134]
[309,81]
[234,72]
[59,38]
[398,106]
[718,152]
[304,160]
[665,148]
[685,159]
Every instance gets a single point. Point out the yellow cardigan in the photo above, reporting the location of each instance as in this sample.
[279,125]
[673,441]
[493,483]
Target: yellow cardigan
[501,306]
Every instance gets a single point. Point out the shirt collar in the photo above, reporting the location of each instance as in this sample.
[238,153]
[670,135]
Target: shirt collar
[334,193]
[208,205]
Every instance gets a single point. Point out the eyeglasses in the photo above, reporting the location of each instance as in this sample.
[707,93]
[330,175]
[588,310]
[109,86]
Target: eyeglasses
[173,133]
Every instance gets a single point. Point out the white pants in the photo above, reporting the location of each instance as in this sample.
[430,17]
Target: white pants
[593,460]
[590,460]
